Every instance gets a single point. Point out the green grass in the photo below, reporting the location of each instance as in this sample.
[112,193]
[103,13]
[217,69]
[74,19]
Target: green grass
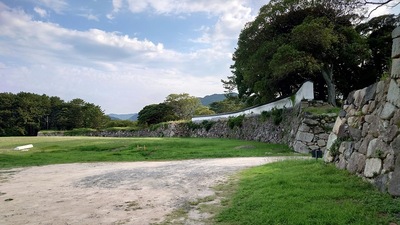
[322,110]
[306,192]
[55,150]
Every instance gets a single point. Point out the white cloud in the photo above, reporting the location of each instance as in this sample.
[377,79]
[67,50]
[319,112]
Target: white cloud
[42,13]
[57,5]
[90,17]
[118,72]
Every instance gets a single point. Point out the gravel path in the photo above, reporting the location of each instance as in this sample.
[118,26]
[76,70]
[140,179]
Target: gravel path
[112,193]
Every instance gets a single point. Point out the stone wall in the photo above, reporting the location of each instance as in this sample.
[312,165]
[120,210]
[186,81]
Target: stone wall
[312,131]
[365,139]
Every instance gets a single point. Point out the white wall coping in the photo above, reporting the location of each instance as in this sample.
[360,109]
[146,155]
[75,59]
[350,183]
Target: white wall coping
[306,92]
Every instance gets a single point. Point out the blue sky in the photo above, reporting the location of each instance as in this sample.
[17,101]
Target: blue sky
[120,54]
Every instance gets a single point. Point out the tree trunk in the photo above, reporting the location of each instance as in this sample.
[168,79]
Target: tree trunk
[327,74]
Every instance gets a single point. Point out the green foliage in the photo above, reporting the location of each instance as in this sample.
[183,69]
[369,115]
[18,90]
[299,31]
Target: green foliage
[322,110]
[334,149]
[230,104]
[79,132]
[293,41]
[306,192]
[52,150]
[275,114]
[183,105]
[121,123]
[206,124]
[27,113]
[156,113]
[235,121]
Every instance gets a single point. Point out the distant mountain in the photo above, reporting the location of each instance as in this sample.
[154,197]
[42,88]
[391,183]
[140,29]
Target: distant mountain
[132,116]
[208,99]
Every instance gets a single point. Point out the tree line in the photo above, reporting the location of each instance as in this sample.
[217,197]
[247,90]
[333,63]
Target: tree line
[27,113]
[324,41]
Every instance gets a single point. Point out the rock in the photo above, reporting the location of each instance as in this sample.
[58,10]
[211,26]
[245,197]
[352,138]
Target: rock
[303,127]
[388,111]
[390,133]
[303,136]
[381,182]
[347,149]
[355,133]
[327,157]
[395,72]
[359,98]
[301,148]
[388,163]
[394,183]
[339,122]
[370,93]
[373,167]
[356,163]
[321,143]
[332,138]
[310,122]
[396,48]
[396,33]
[393,95]
[350,98]
[396,119]
[396,146]
[380,87]
[342,113]
[342,163]
[365,143]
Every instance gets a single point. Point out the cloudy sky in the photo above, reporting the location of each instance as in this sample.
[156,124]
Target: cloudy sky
[119,54]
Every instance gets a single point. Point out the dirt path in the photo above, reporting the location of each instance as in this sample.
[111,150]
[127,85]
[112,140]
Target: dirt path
[111,193]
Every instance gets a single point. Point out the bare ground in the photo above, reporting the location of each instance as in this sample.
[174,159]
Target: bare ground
[113,193]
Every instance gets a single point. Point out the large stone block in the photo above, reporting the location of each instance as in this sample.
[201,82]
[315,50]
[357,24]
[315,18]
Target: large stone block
[371,150]
[301,148]
[331,139]
[396,32]
[393,95]
[394,183]
[359,96]
[395,73]
[339,122]
[396,146]
[370,93]
[356,163]
[373,167]
[355,133]
[387,111]
[396,48]
[364,145]
[304,136]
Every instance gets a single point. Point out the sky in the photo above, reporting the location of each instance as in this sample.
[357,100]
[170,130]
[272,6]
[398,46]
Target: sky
[120,54]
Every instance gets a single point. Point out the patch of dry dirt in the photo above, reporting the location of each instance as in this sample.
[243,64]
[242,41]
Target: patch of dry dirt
[111,193]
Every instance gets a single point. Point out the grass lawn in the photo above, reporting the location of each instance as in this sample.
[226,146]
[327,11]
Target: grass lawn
[54,150]
[305,192]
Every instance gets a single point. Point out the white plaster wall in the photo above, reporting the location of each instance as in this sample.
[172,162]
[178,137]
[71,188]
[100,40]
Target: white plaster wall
[305,92]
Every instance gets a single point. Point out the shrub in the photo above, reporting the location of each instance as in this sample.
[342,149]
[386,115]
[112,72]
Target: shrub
[235,121]
[79,132]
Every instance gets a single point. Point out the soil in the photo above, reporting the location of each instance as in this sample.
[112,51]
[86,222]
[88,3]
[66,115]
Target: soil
[113,193]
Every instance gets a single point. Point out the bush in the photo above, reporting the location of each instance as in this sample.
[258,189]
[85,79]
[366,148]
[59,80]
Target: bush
[235,121]
[275,113]
[207,125]
[79,132]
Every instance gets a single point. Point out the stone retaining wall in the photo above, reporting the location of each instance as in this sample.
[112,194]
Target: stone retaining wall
[365,139]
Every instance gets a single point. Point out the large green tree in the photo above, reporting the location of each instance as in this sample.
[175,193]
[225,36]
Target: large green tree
[27,113]
[183,105]
[290,42]
[156,113]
